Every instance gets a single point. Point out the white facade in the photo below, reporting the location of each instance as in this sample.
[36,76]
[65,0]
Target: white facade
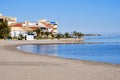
[30,37]
[32,24]
[49,29]
[29,23]
[17,33]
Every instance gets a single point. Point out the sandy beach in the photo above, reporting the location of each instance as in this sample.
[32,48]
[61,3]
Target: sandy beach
[19,65]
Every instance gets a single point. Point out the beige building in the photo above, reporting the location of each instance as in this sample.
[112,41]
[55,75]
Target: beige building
[50,26]
[10,20]
[43,24]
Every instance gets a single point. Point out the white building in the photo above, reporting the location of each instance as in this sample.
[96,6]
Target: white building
[27,24]
[50,26]
[16,31]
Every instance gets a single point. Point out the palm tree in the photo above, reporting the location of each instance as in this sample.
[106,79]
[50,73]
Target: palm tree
[4,29]
[47,34]
[79,34]
[52,36]
[58,36]
[38,32]
[66,35]
[75,34]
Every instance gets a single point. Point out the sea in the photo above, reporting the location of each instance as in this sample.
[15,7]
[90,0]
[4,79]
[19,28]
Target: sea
[106,49]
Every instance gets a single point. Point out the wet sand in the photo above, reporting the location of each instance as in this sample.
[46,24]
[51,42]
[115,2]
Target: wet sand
[19,65]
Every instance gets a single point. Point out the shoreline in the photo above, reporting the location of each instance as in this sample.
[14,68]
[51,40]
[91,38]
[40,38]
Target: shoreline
[88,61]
[17,64]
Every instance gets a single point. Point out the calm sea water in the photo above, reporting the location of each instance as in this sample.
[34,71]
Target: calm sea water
[109,52]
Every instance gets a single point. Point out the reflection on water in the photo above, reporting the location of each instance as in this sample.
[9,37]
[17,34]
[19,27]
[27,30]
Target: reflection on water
[41,49]
[108,52]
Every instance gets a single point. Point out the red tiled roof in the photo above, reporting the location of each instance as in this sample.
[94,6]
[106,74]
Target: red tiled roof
[34,28]
[47,25]
[21,28]
[19,24]
[15,25]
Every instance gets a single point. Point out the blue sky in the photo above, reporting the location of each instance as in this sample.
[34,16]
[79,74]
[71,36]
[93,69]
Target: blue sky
[86,16]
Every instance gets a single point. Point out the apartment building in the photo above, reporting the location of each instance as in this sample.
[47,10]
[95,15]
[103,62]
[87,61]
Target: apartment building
[10,20]
[25,27]
[50,26]
[42,24]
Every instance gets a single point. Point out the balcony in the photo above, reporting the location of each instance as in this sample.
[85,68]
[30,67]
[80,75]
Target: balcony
[55,31]
[55,27]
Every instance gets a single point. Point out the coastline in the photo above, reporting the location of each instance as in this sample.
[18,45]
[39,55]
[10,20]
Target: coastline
[19,65]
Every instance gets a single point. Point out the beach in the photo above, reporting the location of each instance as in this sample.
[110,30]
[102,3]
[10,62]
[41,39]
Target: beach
[19,65]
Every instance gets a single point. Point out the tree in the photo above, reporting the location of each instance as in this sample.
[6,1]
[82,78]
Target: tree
[4,29]
[47,34]
[38,32]
[52,36]
[66,35]
[79,34]
[58,36]
[75,34]
[20,37]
